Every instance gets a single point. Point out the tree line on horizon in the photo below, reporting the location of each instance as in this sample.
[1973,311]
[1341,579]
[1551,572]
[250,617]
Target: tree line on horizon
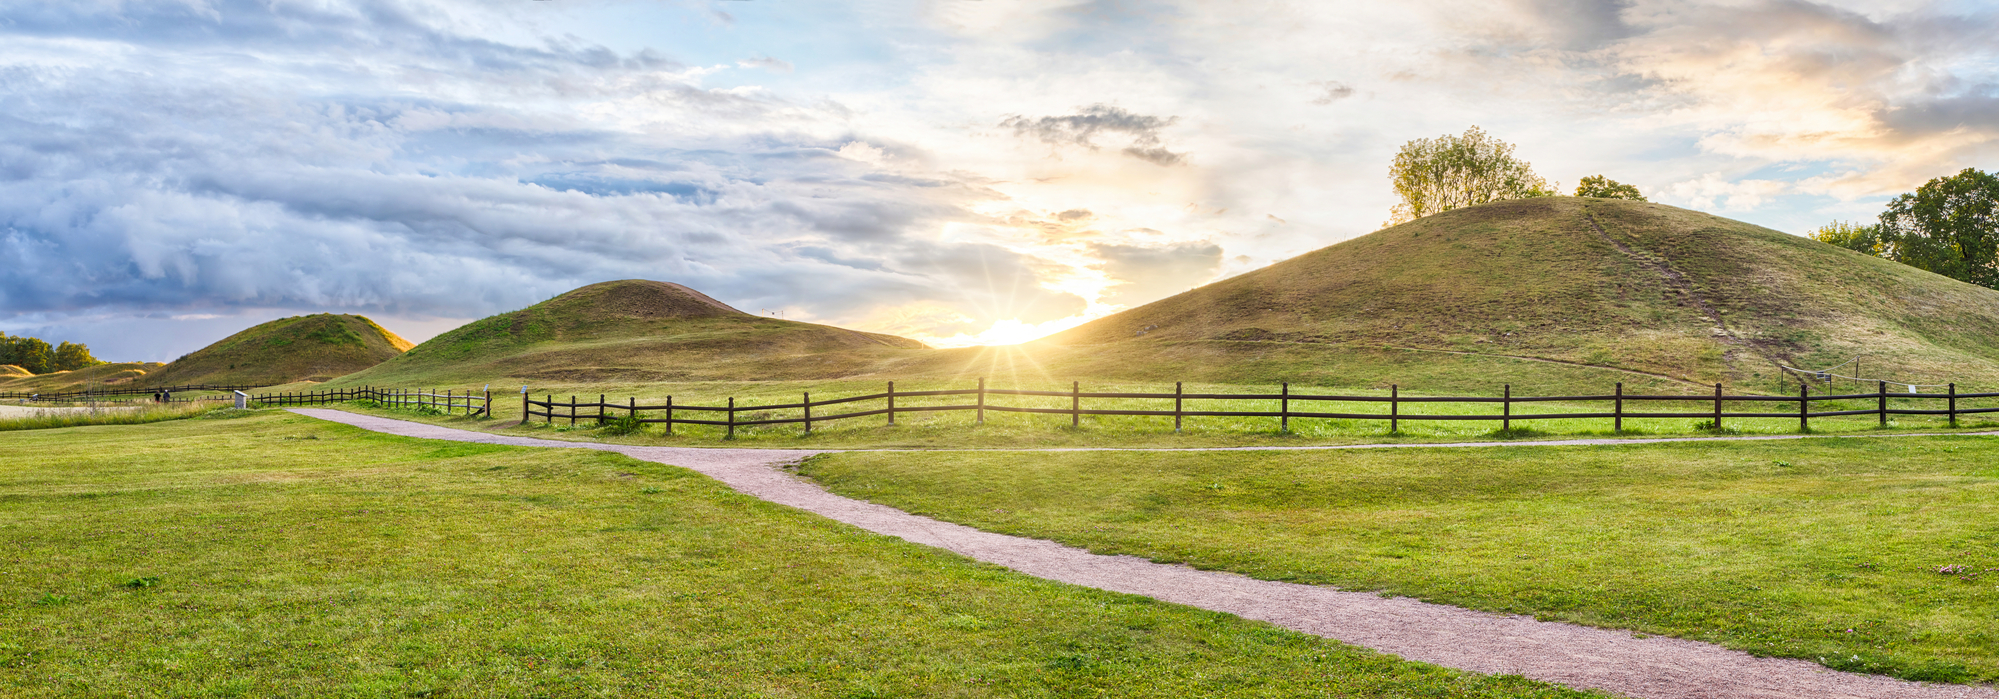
[1949,226]
[36,356]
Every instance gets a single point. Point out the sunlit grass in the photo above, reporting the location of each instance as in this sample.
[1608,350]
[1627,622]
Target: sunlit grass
[1866,555]
[277,555]
[113,414]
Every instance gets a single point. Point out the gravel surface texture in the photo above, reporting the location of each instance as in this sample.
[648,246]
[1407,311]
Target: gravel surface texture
[1576,656]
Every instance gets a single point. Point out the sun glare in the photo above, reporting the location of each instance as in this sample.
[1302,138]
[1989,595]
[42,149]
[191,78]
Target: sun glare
[1006,332]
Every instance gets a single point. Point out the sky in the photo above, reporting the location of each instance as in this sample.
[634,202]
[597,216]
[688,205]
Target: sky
[955,171]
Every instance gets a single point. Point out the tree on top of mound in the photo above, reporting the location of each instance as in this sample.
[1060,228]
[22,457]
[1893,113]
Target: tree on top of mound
[1949,226]
[1605,188]
[36,356]
[1434,175]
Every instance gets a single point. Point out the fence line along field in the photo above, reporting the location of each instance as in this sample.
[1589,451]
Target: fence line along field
[1718,409]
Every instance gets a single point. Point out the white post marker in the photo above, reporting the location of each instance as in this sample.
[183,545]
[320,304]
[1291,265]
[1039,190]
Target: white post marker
[242,400]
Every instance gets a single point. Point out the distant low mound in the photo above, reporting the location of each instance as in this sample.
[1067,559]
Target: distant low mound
[10,371]
[300,348]
[1570,290]
[635,330]
[100,376]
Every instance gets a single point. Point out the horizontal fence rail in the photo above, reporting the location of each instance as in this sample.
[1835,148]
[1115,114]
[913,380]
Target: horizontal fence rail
[449,402]
[1714,407]
[122,391]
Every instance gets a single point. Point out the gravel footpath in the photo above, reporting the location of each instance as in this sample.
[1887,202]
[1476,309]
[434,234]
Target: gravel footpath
[1576,656]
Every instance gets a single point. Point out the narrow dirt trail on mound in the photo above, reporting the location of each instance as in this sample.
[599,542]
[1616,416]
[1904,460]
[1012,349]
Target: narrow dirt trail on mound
[1577,656]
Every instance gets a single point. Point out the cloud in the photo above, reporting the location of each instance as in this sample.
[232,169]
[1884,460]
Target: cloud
[1146,274]
[766,63]
[1787,80]
[1083,127]
[1331,91]
[446,159]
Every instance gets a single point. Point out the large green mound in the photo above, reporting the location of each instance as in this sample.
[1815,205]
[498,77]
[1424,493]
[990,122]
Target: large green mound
[299,348]
[1602,289]
[636,330]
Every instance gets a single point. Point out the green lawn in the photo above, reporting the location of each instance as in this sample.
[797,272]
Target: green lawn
[1828,550]
[275,555]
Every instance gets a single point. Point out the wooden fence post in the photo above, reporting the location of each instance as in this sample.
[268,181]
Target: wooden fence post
[1617,412]
[600,408]
[1176,406]
[1506,409]
[1717,407]
[669,416]
[1881,391]
[487,409]
[524,407]
[982,400]
[891,402]
[808,412]
[1804,407]
[1394,409]
[550,405]
[1953,405]
[732,418]
[632,410]
[1075,404]
[572,411]
[1284,410]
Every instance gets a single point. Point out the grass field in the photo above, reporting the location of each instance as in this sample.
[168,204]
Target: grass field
[275,555]
[1872,555]
[14,418]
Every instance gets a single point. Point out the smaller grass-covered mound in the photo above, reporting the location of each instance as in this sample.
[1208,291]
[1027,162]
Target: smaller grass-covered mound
[100,376]
[636,330]
[10,371]
[300,348]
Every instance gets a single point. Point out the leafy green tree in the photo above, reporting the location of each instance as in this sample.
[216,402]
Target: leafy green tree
[1949,226]
[30,353]
[1853,236]
[1434,175]
[70,356]
[1605,188]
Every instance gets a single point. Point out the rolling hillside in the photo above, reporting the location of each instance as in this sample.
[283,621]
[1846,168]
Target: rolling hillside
[1580,290]
[299,348]
[636,330]
[100,376]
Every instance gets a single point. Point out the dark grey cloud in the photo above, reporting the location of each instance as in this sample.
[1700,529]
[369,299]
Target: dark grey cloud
[1147,274]
[1580,25]
[1088,123]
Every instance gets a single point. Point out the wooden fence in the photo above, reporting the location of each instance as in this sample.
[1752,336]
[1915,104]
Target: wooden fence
[1711,407]
[469,402]
[121,391]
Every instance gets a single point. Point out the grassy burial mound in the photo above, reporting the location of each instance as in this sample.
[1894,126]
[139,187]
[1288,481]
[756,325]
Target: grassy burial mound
[637,330]
[300,348]
[9,372]
[100,376]
[1583,291]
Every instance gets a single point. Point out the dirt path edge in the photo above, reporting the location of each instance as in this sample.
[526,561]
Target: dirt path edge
[1577,656]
